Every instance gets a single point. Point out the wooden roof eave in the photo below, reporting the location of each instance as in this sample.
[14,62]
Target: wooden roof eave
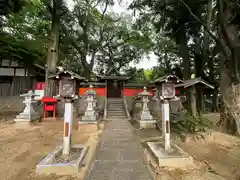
[165,78]
[74,75]
[114,77]
[189,83]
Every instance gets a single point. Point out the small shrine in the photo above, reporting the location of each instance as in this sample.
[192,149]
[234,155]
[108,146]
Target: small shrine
[114,82]
[196,88]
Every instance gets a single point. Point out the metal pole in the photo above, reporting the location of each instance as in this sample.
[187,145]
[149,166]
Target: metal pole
[166,124]
[68,115]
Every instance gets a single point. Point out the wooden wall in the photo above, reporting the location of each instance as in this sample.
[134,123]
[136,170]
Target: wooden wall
[13,86]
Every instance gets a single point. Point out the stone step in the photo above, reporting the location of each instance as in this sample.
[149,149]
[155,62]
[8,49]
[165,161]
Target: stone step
[115,100]
[120,101]
[116,109]
[111,105]
[115,105]
[116,114]
[116,118]
[119,117]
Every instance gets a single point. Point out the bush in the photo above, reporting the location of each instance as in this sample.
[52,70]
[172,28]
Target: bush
[189,124]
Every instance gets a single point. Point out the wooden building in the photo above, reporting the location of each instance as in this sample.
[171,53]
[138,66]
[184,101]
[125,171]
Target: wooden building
[17,77]
[114,82]
[196,88]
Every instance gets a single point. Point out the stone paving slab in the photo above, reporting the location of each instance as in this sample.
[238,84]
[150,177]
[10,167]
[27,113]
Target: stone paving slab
[119,165]
[120,156]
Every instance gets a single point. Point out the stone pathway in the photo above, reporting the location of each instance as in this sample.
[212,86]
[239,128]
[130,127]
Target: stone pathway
[120,156]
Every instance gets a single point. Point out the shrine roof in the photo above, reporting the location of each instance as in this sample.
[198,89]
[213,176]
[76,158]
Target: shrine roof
[114,77]
[192,82]
[66,71]
[114,74]
[166,78]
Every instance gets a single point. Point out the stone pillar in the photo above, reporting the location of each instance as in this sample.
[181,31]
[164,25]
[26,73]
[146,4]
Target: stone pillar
[28,114]
[146,119]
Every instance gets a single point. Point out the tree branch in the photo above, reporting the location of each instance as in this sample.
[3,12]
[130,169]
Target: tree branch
[206,28]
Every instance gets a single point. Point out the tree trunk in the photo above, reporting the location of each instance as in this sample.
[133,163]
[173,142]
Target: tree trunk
[192,92]
[215,101]
[230,110]
[52,58]
[205,56]
[184,53]
[229,85]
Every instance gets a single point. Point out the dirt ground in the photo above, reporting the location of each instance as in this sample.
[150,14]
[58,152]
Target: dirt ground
[216,157]
[22,148]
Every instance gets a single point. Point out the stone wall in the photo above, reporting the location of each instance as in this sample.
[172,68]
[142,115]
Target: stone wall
[136,108]
[129,101]
[11,104]
[155,108]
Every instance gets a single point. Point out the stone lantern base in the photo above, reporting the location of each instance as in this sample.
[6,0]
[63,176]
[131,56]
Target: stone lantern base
[146,124]
[25,117]
[145,120]
[90,117]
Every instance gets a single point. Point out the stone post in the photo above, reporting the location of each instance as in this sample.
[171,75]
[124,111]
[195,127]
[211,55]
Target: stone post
[28,114]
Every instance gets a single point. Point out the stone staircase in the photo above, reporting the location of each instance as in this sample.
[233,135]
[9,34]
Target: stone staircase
[115,109]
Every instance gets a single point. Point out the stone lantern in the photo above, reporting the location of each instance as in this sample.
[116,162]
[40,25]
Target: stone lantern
[145,118]
[28,114]
[90,112]
[145,100]
[91,96]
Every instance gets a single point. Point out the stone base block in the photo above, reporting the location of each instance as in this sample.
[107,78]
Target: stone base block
[25,118]
[174,158]
[89,118]
[87,128]
[53,163]
[146,124]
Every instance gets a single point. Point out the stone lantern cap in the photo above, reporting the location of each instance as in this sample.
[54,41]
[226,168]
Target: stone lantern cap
[91,91]
[145,92]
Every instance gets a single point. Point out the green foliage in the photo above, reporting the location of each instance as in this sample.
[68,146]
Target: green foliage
[8,6]
[24,35]
[23,50]
[136,75]
[189,124]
